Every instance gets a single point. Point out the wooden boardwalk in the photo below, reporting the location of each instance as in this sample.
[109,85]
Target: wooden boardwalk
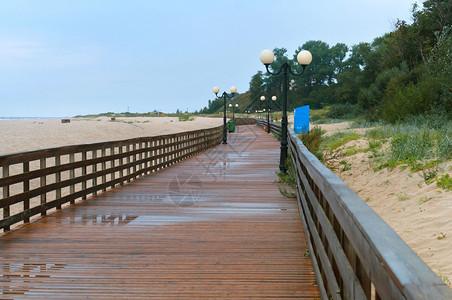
[212,226]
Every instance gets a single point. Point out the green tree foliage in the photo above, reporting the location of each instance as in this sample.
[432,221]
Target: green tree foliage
[403,73]
[256,85]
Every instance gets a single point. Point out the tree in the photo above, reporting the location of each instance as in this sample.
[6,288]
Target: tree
[350,78]
[256,85]
[274,84]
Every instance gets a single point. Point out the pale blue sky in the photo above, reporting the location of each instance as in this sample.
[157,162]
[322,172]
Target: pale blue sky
[67,57]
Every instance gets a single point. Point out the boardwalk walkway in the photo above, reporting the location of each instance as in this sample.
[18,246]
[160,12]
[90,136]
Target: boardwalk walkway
[212,226]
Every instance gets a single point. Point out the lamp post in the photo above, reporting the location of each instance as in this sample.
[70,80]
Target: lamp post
[233,106]
[304,58]
[225,95]
[268,111]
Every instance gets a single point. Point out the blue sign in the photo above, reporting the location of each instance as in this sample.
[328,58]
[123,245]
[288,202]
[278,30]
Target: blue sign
[301,119]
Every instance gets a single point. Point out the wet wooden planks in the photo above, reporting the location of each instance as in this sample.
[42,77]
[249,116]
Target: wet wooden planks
[212,226]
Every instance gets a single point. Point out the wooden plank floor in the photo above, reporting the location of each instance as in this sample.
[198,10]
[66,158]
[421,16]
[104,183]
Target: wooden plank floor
[212,226]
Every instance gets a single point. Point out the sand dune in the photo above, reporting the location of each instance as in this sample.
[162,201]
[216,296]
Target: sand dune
[420,213]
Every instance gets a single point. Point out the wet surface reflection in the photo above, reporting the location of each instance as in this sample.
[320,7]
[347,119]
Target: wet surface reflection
[197,214]
[106,220]
[164,220]
[14,275]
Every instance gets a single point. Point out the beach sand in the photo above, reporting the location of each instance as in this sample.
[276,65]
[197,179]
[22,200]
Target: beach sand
[31,134]
[420,213]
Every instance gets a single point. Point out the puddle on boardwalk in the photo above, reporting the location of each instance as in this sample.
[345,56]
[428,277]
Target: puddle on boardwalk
[106,220]
[195,214]
[127,220]
[14,274]
[164,220]
[246,205]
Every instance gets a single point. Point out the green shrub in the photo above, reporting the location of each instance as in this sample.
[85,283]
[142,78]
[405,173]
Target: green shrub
[288,178]
[445,182]
[413,99]
[374,144]
[343,111]
[347,165]
[185,117]
[369,99]
[313,140]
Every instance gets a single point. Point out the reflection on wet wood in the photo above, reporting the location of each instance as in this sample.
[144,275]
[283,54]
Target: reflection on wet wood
[66,174]
[212,226]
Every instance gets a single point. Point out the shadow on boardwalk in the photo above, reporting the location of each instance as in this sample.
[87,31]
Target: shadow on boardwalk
[211,226]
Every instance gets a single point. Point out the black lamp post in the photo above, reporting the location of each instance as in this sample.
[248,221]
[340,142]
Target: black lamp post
[233,106]
[304,58]
[233,90]
[268,110]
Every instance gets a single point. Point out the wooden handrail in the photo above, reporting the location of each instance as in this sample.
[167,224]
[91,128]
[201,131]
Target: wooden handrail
[41,180]
[355,254]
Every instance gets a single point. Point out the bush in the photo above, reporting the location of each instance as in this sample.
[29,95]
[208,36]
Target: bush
[185,117]
[369,99]
[445,182]
[414,99]
[313,140]
[343,111]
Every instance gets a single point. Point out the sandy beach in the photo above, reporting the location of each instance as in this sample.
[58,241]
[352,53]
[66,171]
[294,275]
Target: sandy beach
[31,134]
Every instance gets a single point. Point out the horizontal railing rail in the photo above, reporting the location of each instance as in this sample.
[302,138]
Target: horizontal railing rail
[355,254]
[34,182]
[275,128]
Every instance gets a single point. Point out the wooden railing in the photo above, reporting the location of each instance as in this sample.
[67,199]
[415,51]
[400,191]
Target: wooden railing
[275,128]
[355,254]
[35,182]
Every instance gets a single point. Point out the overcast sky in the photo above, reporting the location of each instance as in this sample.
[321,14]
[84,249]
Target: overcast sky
[61,58]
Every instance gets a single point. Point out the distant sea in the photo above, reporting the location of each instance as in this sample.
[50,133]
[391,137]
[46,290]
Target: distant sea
[26,118]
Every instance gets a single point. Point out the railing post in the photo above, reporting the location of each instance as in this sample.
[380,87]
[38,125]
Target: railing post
[72,176]
[103,166]
[26,188]
[83,174]
[43,182]
[112,165]
[121,163]
[6,212]
[134,160]
[58,180]
[128,162]
[94,166]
